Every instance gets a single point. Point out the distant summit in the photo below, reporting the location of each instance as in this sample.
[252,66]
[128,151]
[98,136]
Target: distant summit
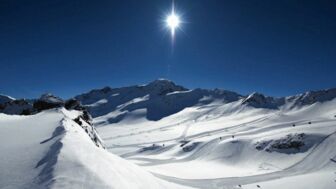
[162,97]
[4,99]
[162,87]
[159,98]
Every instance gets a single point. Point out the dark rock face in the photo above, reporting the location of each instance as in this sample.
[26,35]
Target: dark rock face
[312,97]
[48,101]
[11,106]
[17,107]
[45,102]
[292,144]
[258,100]
[4,99]
[87,117]
[163,87]
[85,121]
[73,104]
[27,112]
[41,105]
[289,144]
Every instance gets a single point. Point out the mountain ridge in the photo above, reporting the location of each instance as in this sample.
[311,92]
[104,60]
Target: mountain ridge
[162,98]
[168,98]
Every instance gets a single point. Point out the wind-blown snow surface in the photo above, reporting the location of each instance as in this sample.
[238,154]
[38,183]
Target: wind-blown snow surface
[50,150]
[221,139]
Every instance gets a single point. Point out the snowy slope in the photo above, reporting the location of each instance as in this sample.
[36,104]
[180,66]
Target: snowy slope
[160,98]
[50,150]
[220,139]
[162,135]
[196,146]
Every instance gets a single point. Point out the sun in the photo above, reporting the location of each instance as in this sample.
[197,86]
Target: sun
[173,21]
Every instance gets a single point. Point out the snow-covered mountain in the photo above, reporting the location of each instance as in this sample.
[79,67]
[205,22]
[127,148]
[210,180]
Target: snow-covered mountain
[162,98]
[221,139]
[155,100]
[162,135]
[4,99]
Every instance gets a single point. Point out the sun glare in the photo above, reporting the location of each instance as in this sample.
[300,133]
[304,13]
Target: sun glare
[173,21]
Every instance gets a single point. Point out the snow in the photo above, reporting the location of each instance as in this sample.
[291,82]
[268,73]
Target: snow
[162,135]
[215,144]
[21,147]
[161,98]
[50,150]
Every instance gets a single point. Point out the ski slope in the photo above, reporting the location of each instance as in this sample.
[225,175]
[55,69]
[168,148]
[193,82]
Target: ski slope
[215,145]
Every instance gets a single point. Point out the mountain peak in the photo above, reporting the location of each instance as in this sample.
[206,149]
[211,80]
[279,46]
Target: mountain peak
[259,100]
[163,86]
[161,82]
[50,98]
[312,97]
[4,99]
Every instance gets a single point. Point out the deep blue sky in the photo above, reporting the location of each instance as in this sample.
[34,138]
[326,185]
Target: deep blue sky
[70,46]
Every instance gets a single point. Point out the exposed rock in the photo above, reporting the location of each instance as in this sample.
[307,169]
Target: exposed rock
[4,99]
[163,87]
[48,101]
[17,107]
[290,144]
[73,104]
[85,121]
[258,100]
[312,97]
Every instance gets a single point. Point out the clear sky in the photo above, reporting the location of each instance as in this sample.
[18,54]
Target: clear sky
[67,47]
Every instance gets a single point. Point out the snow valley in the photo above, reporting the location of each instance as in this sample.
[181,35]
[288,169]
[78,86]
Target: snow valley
[162,135]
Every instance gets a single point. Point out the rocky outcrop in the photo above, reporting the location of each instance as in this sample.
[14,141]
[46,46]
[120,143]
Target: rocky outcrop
[312,97]
[48,101]
[17,107]
[290,144]
[258,100]
[73,104]
[45,102]
[4,99]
